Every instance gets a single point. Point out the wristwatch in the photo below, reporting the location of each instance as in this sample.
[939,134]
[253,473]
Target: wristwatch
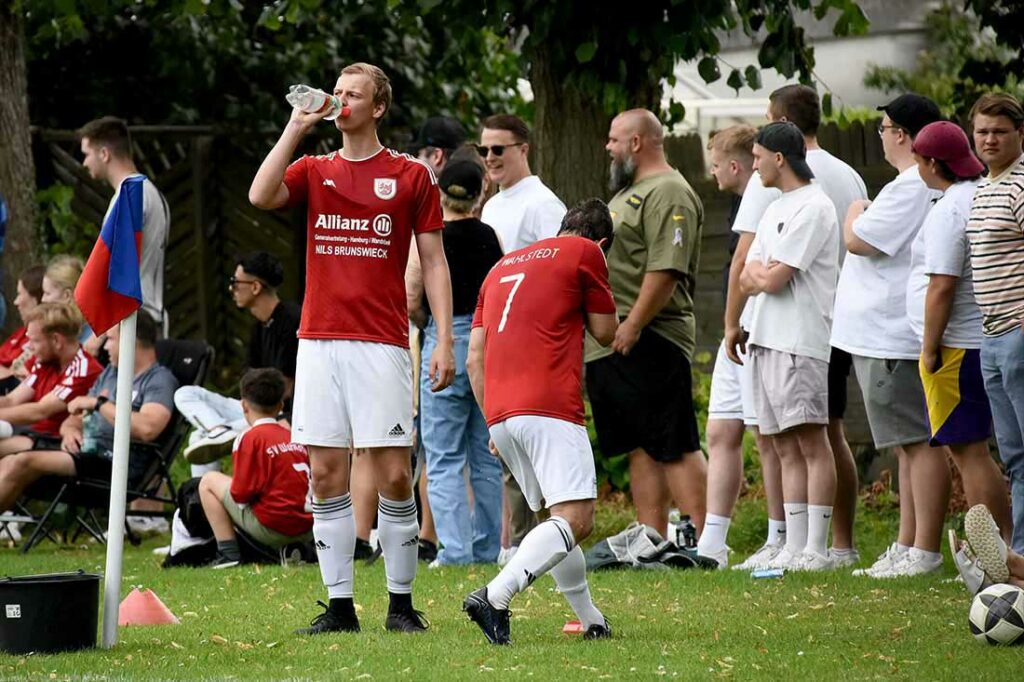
[100,399]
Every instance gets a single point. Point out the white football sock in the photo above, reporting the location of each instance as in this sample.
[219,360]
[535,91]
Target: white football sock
[398,534]
[543,547]
[776,532]
[796,526]
[819,518]
[713,537]
[570,575]
[334,530]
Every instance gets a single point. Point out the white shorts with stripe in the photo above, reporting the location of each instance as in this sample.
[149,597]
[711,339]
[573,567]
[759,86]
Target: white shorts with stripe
[732,389]
[550,458]
[352,394]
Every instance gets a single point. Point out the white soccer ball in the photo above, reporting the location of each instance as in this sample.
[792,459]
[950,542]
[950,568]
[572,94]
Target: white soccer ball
[997,615]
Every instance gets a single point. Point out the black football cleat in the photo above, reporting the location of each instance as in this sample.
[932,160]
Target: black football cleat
[329,621]
[598,631]
[406,620]
[493,622]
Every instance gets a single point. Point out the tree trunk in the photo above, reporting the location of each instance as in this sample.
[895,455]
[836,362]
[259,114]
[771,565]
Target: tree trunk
[570,130]
[17,171]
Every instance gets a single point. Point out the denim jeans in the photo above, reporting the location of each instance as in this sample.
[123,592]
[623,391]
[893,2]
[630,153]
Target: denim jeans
[1002,365]
[455,438]
[204,410]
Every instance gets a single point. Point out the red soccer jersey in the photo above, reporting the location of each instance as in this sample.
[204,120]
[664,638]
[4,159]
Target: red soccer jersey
[75,380]
[272,476]
[533,308]
[13,347]
[361,216]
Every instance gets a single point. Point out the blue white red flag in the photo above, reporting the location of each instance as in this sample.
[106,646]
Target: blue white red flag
[110,288]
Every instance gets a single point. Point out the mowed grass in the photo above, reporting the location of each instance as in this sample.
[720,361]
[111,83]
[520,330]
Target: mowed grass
[685,624]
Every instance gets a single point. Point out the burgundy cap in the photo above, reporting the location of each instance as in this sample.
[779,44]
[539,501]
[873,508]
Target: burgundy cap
[946,141]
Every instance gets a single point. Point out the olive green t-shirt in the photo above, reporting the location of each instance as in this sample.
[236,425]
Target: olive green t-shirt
[657,227]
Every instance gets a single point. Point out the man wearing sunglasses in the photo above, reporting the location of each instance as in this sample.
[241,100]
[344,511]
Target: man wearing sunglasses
[523,211]
[218,419]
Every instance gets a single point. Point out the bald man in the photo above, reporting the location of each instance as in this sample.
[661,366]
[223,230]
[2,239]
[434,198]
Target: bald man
[640,386]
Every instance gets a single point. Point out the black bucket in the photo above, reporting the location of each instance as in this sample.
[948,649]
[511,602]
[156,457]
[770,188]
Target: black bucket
[49,613]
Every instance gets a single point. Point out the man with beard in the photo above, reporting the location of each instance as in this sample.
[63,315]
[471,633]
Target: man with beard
[640,387]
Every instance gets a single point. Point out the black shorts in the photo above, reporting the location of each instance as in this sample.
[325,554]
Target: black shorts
[839,365]
[100,466]
[644,400]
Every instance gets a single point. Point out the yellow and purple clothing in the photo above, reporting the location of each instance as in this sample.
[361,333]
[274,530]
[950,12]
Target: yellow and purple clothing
[958,409]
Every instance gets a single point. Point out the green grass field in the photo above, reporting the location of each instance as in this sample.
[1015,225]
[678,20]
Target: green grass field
[682,624]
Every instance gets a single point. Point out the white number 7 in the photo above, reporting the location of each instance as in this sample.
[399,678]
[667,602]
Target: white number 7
[304,468]
[518,279]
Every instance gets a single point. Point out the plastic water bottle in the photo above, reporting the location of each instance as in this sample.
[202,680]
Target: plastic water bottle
[90,426]
[314,101]
[686,533]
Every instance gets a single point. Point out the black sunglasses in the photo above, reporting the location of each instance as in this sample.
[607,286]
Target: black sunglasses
[496,149]
[234,281]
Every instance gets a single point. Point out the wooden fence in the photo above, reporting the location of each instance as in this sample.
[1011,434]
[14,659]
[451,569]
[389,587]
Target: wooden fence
[205,175]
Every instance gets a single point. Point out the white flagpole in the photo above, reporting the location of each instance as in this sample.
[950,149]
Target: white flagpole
[119,480]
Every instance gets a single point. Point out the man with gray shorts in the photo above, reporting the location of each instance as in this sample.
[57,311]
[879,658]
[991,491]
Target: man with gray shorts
[792,268]
[871,324]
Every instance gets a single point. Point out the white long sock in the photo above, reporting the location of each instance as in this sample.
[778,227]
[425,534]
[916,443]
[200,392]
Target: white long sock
[334,530]
[399,536]
[715,533]
[819,518]
[776,532]
[570,575]
[796,526]
[542,548]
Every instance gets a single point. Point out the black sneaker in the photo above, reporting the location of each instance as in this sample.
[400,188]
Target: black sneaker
[407,620]
[427,550]
[363,550]
[328,621]
[220,561]
[598,631]
[493,622]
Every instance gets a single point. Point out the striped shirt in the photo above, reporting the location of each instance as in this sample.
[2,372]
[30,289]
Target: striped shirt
[996,233]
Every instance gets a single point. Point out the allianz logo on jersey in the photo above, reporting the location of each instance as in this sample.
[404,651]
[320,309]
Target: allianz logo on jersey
[381,225]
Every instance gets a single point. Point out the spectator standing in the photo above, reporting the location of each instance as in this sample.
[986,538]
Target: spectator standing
[871,324]
[437,140]
[996,234]
[452,427]
[945,316]
[640,387]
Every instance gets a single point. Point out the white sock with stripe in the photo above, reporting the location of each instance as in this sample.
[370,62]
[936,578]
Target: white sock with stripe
[334,530]
[542,548]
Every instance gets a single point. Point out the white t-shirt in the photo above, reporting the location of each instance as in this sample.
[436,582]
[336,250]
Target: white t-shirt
[941,248]
[871,301]
[800,230]
[841,184]
[756,200]
[156,225]
[524,213]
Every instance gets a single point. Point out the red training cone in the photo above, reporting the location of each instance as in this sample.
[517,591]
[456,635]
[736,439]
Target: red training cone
[144,608]
[573,627]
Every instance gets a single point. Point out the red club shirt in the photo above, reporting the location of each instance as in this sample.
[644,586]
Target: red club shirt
[74,380]
[533,308]
[13,347]
[361,216]
[271,475]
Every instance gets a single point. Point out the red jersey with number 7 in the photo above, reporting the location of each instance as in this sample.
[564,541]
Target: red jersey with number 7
[361,216]
[533,308]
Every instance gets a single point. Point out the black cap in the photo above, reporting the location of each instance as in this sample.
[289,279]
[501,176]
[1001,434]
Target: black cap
[442,132]
[912,112]
[785,138]
[462,180]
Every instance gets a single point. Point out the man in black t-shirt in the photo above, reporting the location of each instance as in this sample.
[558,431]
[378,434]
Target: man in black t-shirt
[453,430]
[273,343]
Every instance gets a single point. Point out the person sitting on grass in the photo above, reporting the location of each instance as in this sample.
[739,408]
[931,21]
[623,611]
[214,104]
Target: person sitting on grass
[983,559]
[86,447]
[62,371]
[268,497]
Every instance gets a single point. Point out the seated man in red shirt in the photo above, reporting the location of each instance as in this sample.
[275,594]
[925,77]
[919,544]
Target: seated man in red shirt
[268,497]
[62,372]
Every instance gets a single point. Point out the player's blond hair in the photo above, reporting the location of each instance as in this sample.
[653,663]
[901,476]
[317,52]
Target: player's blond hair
[735,142]
[380,80]
[57,318]
[64,271]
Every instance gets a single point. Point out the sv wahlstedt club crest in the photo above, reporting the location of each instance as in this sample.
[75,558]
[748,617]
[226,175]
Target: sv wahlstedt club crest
[384,188]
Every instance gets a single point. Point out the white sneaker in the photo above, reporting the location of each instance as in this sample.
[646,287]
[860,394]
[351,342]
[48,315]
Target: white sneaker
[162,551]
[844,558]
[149,525]
[971,575]
[13,530]
[721,556]
[812,561]
[505,555]
[211,447]
[760,559]
[986,544]
[885,561]
[913,562]
[785,559]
